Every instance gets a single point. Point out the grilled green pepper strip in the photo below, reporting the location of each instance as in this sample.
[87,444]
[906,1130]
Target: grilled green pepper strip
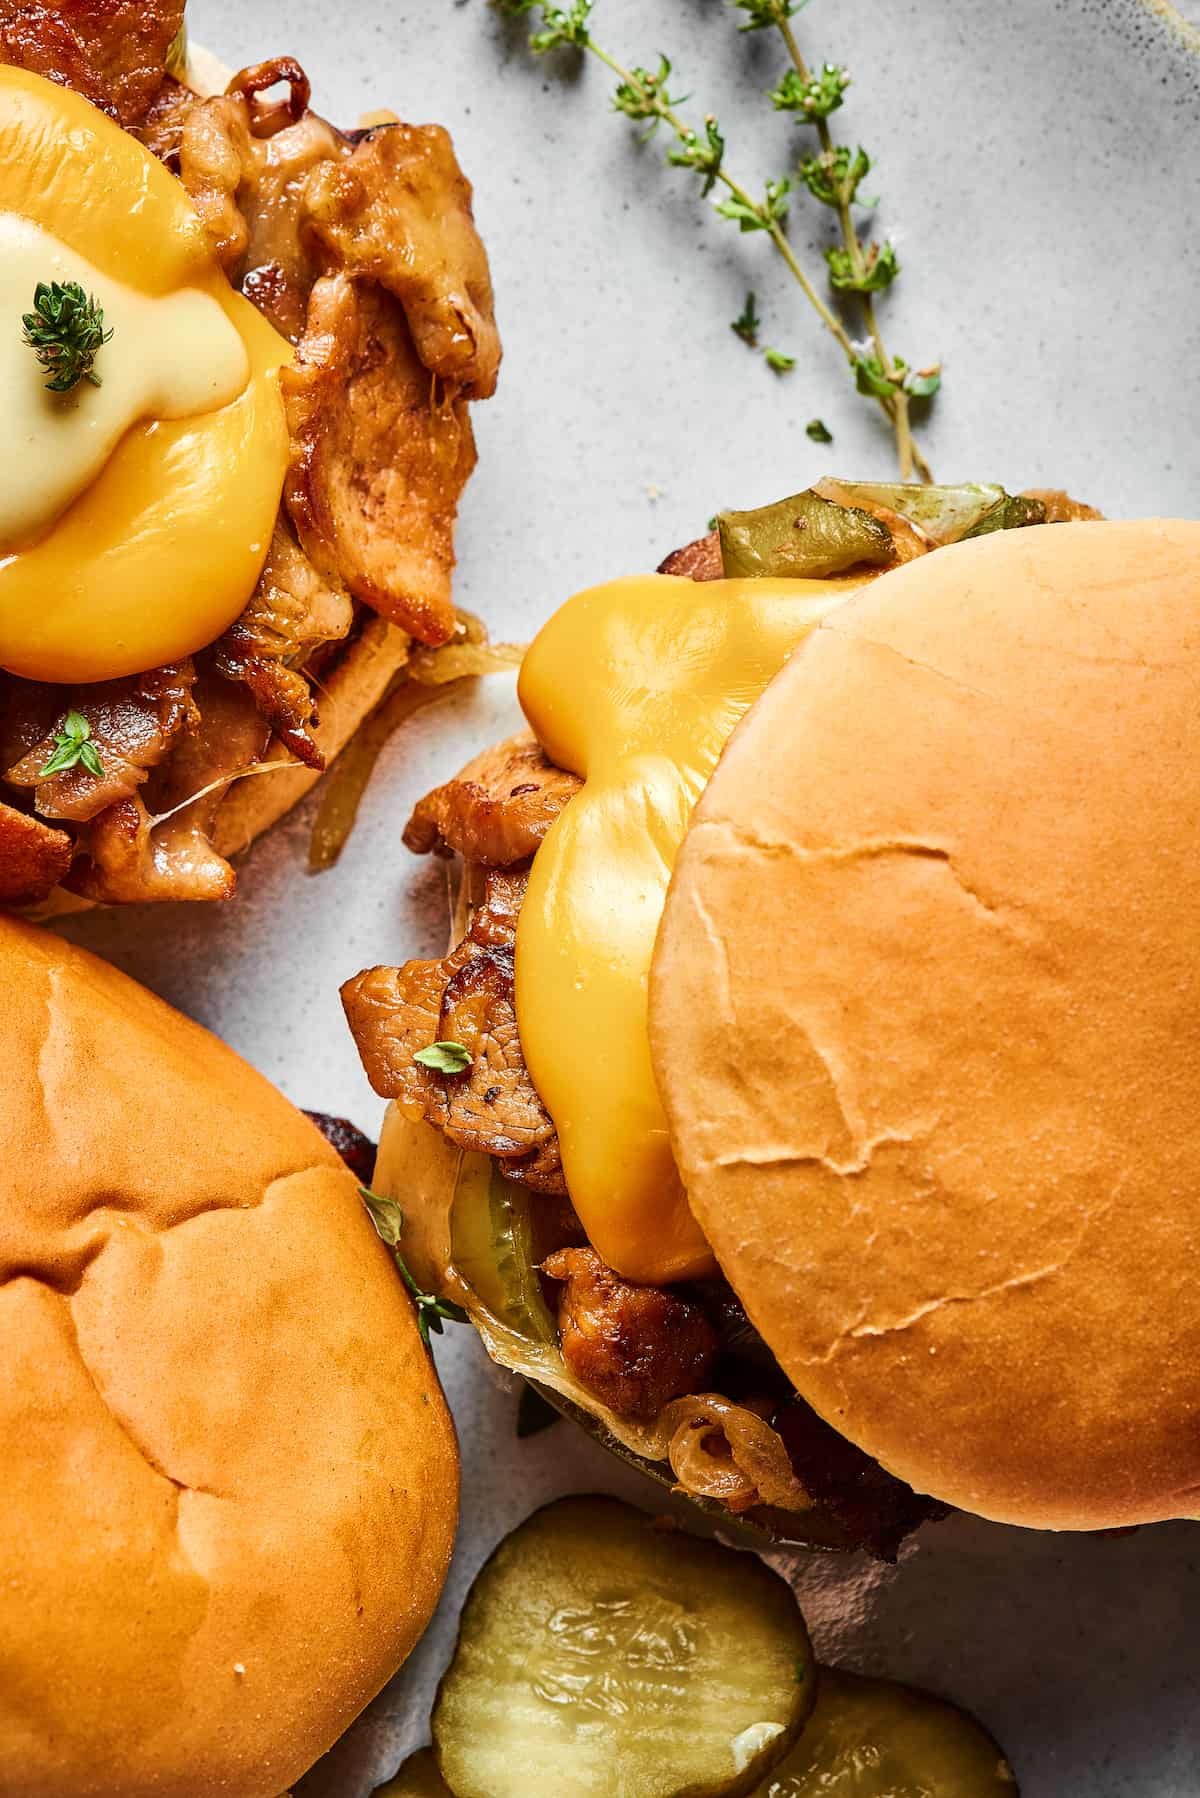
[491,1241]
[1012,514]
[943,514]
[804,537]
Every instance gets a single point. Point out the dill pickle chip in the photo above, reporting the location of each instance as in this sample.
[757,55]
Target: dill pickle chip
[417,1778]
[871,1738]
[600,1656]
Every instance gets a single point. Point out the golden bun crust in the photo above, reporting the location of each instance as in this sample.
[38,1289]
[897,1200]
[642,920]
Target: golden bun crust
[228,1478]
[924,1017]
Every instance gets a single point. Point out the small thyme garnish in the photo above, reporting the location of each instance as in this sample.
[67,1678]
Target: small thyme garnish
[66,333]
[73,747]
[388,1220]
[818,431]
[746,324]
[445,1058]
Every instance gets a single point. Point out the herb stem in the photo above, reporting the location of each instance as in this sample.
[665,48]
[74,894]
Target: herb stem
[896,407]
[669,116]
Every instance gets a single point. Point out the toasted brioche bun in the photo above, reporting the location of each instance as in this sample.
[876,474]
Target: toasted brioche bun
[228,1478]
[924,1017]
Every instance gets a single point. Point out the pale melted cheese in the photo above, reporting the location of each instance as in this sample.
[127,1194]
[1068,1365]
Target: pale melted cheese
[172,355]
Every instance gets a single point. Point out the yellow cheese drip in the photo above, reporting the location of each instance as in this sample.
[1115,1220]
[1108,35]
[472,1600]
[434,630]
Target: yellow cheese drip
[170,356]
[155,552]
[635,686]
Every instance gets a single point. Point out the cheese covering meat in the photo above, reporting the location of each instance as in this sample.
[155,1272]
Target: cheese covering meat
[387,351]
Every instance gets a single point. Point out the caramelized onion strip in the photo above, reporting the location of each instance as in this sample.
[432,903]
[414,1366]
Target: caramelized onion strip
[723,1451]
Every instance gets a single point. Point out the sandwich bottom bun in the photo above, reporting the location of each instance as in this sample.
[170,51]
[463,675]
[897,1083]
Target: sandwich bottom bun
[925,1012]
[228,1480]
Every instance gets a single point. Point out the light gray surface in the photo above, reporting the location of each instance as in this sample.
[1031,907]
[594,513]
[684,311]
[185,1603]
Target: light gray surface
[1041,161]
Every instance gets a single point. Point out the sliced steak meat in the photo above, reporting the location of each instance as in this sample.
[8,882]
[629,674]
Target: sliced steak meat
[398,212]
[113,52]
[156,846]
[497,811]
[633,1347]
[381,451]
[492,1107]
[161,127]
[293,612]
[134,724]
[330,241]
[698,561]
[495,921]
[124,858]
[467,998]
[355,1149]
[33,858]
[248,180]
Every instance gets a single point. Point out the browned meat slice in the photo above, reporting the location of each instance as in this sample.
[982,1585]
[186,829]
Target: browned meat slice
[399,212]
[497,811]
[134,723]
[634,1347]
[381,451]
[113,52]
[698,561]
[156,846]
[877,1510]
[33,857]
[381,440]
[161,127]
[495,923]
[393,1012]
[467,998]
[492,1107]
[293,612]
[125,858]
[355,1149]
[28,709]
[247,175]
[1060,507]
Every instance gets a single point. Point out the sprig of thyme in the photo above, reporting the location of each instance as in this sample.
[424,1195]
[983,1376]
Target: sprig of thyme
[388,1219]
[73,747]
[66,333]
[833,175]
[641,95]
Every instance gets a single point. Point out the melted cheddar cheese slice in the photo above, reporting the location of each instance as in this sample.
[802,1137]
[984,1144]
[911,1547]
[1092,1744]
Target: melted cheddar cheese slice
[636,687]
[144,510]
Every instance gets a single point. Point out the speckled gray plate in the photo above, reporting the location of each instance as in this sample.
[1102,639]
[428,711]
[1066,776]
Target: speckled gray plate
[1041,162]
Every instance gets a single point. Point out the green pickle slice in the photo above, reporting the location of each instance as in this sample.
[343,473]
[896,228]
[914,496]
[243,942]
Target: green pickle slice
[417,1778]
[872,1738]
[600,1656]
